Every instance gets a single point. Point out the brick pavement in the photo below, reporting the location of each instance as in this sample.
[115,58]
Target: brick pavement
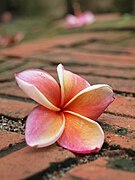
[98,63]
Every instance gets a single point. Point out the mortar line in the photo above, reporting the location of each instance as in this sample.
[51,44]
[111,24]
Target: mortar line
[75,63]
[12,149]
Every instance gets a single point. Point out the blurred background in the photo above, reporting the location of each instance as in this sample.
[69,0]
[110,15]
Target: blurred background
[45,18]
[58,8]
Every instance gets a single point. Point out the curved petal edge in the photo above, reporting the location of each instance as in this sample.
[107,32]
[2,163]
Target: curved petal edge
[81,135]
[40,86]
[70,83]
[43,127]
[92,101]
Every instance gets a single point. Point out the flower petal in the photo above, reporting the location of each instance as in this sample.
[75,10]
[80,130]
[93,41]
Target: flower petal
[43,127]
[81,135]
[74,21]
[71,84]
[92,101]
[40,86]
[89,17]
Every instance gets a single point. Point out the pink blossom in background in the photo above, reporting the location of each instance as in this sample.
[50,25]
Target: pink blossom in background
[82,19]
[67,112]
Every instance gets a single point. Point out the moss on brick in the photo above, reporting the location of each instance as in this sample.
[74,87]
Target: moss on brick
[122,164]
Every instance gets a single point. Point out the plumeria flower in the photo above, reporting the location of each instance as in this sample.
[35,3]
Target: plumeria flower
[67,112]
[80,20]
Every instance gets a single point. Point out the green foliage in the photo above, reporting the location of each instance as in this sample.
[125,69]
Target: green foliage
[122,164]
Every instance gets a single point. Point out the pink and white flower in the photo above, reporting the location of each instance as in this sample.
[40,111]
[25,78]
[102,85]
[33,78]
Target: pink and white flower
[67,112]
[80,20]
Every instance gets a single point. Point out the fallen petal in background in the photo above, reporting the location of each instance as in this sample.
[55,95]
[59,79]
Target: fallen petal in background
[82,19]
[11,40]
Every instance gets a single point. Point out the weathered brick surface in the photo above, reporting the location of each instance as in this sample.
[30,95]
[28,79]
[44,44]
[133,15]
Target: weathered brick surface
[2,58]
[119,131]
[16,109]
[9,139]
[107,48]
[24,64]
[103,71]
[97,170]
[11,88]
[126,141]
[113,60]
[94,56]
[26,49]
[122,85]
[123,105]
[28,161]
[10,64]
[117,121]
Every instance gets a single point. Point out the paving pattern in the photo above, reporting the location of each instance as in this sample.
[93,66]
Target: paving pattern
[94,56]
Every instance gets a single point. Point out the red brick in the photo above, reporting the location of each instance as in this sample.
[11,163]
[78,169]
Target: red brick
[56,55]
[10,64]
[92,58]
[102,71]
[97,170]
[107,48]
[16,109]
[9,138]
[132,49]
[9,74]
[112,59]
[29,161]
[122,85]
[117,121]
[2,58]
[26,49]
[121,130]
[89,70]
[11,88]
[29,48]
[126,142]
[123,105]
